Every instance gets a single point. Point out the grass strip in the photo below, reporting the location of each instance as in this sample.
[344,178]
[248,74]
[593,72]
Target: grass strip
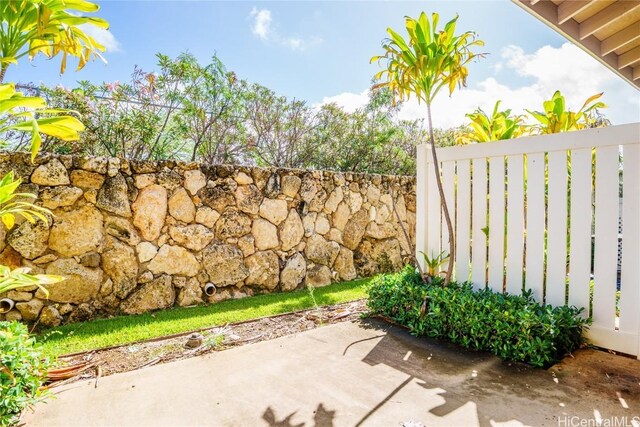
[120,330]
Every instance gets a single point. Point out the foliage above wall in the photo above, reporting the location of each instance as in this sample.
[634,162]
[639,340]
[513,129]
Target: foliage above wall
[186,110]
[498,126]
[189,111]
[555,117]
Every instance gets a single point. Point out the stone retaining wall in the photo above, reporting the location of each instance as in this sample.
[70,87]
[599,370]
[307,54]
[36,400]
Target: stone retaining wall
[132,236]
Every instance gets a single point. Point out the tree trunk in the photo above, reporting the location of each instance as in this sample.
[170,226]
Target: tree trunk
[443,201]
[3,71]
[406,234]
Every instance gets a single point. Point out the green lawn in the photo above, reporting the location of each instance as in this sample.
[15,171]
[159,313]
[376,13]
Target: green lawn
[129,329]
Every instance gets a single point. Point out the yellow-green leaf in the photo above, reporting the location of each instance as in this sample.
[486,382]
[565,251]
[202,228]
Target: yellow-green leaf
[9,220]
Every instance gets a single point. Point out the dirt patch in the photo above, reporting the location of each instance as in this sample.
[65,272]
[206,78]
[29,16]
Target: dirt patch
[596,372]
[142,354]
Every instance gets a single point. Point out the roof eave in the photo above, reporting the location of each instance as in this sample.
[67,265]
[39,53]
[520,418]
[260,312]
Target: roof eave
[546,12]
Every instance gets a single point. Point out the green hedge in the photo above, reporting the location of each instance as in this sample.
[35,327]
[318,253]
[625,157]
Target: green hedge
[22,371]
[509,326]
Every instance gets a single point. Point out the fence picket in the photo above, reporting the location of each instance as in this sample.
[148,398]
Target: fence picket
[606,237]
[515,223]
[496,223]
[423,175]
[630,275]
[534,258]
[448,186]
[479,221]
[557,229]
[580,241]
[433,213]
[463,220]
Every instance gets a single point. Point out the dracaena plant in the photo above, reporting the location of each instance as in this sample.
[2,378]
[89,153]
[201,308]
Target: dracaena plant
[49,27]
[20,278]
[27,28]
[555,117]
[435,263]
[498,126]
[30,114]
[424,63]
[12,205]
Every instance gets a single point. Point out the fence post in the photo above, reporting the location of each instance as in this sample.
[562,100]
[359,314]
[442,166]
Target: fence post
[422,181]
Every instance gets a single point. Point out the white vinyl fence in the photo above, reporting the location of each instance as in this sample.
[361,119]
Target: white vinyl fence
[552,205]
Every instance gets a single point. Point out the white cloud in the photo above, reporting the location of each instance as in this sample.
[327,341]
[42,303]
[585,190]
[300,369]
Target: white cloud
[102,36]
[261,25]
[261,21]
[566,68]
[349,101]
[301,45]
[293,43]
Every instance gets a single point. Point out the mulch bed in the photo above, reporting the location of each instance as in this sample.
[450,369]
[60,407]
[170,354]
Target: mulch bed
[98,363]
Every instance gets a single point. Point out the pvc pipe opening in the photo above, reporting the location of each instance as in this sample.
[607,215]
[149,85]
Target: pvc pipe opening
[210,289]
[6,305]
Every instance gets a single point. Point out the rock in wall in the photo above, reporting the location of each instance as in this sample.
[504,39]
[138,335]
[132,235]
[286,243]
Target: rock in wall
[134,236]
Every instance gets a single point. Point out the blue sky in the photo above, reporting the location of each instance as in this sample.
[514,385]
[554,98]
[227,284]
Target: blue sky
[320,51]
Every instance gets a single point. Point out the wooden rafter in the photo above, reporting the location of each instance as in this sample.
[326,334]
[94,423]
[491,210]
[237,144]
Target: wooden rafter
[629,58]
[569,9]
[606,17]
[621,38]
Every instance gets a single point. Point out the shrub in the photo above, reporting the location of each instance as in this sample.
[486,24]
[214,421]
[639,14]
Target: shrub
[22,371]
[513,327]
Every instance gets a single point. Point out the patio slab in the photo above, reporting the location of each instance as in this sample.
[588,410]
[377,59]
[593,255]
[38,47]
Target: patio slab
[349,374]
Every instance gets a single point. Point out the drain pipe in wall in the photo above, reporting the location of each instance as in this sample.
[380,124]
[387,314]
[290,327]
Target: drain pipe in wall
[6,305]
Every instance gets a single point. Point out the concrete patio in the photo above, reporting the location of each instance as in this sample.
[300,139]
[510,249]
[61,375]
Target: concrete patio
[350,374]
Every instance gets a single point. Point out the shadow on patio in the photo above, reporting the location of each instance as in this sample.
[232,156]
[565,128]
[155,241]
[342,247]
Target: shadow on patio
[447,385]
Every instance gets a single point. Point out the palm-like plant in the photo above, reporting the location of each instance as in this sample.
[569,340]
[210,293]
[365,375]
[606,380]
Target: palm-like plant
[20,278]
[30,114]
[498,126]
[429,60]
[50,27]
[556,118]
[435,263]
[10,207]
[29,27]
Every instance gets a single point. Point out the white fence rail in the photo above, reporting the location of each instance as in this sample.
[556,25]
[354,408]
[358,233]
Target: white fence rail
[542,213]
